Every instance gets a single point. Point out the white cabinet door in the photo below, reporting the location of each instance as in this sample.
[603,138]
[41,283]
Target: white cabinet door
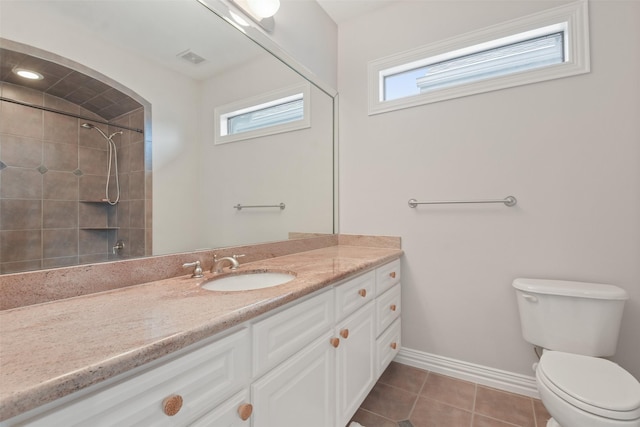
[356,370]
[300,391]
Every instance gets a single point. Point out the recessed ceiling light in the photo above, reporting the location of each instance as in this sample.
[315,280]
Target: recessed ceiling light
[28,74]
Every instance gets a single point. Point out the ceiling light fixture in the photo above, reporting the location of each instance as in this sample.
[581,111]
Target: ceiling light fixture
[264,8]
[259,11]
[28,74]
[239,19]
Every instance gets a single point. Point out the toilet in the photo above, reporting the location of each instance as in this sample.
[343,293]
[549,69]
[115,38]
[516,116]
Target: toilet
[577,323]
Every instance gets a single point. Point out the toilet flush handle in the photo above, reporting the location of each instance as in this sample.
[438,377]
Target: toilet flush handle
[530,298]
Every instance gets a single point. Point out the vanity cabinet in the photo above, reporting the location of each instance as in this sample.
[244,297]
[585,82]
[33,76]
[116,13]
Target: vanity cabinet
[309,363]
[176,392]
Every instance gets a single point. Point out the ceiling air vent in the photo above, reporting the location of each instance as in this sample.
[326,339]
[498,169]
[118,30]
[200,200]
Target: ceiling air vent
[194,58]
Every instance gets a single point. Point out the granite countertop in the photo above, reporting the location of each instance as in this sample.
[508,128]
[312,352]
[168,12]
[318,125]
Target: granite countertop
[50,350]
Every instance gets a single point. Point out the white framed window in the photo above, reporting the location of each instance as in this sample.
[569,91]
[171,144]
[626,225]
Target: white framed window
[283,110]
[544,46]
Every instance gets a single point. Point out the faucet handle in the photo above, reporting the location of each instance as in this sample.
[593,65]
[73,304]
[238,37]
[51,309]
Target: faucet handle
[197,271]
[237,264]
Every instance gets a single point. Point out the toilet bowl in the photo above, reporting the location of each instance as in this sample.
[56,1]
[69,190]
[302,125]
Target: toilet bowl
[584,391]
[578,323]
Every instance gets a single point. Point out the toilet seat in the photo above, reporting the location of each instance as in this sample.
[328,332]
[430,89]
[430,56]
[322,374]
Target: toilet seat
[594,385]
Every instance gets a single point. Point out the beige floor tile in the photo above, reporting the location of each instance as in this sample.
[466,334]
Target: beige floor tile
[482,421]
[404,377]
[390,402]
[430,413]
[449,390]
[542,416]
[369,419]
[508,407]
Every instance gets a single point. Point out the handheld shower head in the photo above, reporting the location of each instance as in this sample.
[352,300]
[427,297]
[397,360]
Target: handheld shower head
[113,154]
[92,126]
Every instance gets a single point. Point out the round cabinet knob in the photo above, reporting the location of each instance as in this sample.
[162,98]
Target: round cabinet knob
[245,411]
[172,405]
[394,345]
[362,293]
[335,342]
[344,333]
[392,274]
[393,307]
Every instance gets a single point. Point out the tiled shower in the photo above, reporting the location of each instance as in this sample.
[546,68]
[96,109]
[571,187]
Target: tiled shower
[52,185]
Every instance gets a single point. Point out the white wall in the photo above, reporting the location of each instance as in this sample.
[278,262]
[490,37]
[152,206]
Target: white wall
[568,149]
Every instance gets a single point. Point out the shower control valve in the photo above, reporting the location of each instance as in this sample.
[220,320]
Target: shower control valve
[119,246]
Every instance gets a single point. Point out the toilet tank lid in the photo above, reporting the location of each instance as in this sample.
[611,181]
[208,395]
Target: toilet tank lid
[570,288]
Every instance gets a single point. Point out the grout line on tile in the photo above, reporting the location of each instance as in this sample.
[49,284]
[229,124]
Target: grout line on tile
[415,402]
[400,388]
[377,415]
[496,419]
[475,396]
[535,417]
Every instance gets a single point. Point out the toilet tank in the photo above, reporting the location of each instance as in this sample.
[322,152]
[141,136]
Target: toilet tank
[574,317]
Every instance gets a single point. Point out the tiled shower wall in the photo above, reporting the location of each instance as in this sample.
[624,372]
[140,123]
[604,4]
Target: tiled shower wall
[52,181]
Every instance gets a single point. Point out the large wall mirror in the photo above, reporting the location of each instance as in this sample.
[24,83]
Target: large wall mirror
[139,82]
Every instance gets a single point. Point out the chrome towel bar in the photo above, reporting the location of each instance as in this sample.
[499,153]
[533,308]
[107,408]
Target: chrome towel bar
[240,207]
[508,201]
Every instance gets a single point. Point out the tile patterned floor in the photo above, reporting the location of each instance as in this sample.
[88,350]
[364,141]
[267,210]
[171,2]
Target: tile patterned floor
[410,397]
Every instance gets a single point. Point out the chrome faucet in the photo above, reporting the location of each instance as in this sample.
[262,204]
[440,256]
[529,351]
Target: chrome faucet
[219,262]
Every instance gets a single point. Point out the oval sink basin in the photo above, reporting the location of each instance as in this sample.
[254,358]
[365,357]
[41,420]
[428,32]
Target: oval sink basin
[247,281]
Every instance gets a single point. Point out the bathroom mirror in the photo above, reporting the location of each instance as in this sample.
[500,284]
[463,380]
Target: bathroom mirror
[188,186]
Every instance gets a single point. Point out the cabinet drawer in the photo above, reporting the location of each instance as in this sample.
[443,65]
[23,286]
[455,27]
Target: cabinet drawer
[387,308]
[281,335]
[203,378]
[387,276]
[388,346]
[227,414]
[354,294]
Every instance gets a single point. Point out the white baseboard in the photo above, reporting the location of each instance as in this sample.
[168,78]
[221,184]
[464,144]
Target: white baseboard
[491,377]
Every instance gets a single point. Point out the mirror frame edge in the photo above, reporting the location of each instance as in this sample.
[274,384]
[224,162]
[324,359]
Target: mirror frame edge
[222,9]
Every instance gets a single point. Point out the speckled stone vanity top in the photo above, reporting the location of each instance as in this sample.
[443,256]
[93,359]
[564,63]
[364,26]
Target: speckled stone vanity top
[50,350]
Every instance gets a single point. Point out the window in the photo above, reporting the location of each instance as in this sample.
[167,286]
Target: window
[545,46]
[275,112]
